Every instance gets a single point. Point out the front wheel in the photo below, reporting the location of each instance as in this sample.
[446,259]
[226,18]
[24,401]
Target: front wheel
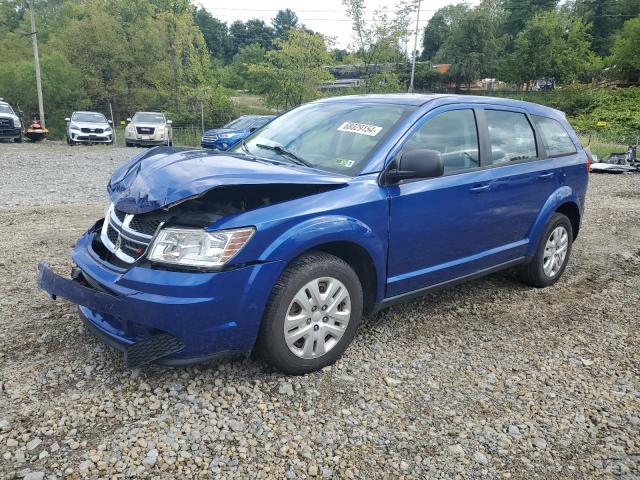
[552,255]
[313,314]
[18,139]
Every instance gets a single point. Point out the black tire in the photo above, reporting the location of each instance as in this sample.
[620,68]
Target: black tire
[129,144]
[271,343]
[533,273]
[18,139]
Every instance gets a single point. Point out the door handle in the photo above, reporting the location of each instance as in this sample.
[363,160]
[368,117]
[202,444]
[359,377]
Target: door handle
[480,189]
[544,176]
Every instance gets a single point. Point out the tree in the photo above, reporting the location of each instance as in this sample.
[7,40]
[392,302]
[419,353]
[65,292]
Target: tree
[251,31]
[607,18]
[474,45]
[439,28]
[216,35]
[625,54]
[518,12]
[284,21]
[551,45]
[294,71]
[378,41]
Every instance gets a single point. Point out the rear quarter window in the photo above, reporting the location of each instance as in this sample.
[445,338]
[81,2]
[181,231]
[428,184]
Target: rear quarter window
[554,136]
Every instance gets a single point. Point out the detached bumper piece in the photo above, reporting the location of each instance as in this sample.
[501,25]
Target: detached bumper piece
[138,353]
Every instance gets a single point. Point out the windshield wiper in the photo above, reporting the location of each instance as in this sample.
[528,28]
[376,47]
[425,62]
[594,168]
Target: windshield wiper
[280,150]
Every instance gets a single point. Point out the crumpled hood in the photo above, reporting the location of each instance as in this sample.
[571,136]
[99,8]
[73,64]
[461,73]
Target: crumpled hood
[164,176]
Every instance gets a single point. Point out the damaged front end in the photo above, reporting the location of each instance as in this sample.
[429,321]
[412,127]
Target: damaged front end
[174,314]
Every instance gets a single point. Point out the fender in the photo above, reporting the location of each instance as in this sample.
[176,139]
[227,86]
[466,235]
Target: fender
[326,229]
[563,194]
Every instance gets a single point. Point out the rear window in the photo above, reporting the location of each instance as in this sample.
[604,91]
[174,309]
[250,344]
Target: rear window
[556,139]
[511,136]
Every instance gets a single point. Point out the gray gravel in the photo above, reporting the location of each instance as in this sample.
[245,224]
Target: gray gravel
[490,379]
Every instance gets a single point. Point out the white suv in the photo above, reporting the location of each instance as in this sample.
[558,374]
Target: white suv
[88,127]
[148,128]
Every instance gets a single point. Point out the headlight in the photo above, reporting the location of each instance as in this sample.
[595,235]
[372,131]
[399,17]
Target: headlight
[226,135]
[73,126]
[130,128]
[16,123]
[197,248]
[108,129]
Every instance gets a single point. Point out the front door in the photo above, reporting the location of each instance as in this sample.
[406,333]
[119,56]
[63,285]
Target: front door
[438,226]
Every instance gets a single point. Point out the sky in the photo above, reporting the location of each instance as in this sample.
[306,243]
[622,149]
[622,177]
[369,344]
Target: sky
[327,16]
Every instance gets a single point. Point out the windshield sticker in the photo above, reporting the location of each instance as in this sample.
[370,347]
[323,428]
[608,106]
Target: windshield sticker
[341,162]
[361,128]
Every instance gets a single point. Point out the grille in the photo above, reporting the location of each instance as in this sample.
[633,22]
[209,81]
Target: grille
[148,226]
[127,236]
[92,130]
[145,130]
[6,122]
[119,214]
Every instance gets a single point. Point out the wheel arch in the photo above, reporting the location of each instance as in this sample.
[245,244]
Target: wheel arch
[571,210]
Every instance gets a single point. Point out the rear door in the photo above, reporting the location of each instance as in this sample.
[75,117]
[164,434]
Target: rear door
[522,177]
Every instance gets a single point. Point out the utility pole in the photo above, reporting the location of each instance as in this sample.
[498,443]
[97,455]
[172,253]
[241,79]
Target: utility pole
[202,116]
[415,48]
[113,127]
[37,61]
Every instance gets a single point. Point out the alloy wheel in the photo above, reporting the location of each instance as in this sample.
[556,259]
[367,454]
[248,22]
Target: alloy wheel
[555,251]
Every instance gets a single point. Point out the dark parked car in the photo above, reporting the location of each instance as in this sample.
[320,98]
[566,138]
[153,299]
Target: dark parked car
[226,137]
[333,211]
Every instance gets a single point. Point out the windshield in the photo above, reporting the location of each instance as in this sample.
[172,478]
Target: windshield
[89,117]
[4,108]
[153,118]
[241,123]
[337,137]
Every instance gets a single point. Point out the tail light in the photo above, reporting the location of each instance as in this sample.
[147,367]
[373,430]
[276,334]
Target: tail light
[589,160]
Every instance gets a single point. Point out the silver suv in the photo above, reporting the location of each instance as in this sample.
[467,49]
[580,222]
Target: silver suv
[147,129]
[88,127]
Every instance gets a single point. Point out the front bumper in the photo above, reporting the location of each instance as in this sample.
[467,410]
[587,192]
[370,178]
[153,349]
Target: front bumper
[220,144]
[82,137]
[162,316]
[149,143]
[9,132]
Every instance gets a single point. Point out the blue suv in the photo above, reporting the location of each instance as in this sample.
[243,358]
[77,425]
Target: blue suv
[331,212]
[226,137]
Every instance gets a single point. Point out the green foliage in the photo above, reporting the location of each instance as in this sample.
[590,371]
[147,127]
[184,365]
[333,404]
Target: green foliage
[474,45]
[625,54]
[518,12]
[293,73]
[439,27]
[606,18]
[284,21]
[216,35]
[551,45]
[378,41]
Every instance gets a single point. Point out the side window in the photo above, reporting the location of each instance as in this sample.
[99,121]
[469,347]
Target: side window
[555,137]
[454,134]
[511,137]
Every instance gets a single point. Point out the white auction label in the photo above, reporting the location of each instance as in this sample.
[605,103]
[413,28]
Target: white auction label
[361,128]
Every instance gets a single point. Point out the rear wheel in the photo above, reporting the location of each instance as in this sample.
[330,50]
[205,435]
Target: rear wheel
[552,255]
[313,314]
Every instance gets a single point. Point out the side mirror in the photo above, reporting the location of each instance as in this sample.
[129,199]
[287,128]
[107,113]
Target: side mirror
[129,119]
[169,122]
[20,113]
[420,163]
[67,119]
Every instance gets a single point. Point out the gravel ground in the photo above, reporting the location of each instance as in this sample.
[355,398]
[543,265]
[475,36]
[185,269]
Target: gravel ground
[489,379]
